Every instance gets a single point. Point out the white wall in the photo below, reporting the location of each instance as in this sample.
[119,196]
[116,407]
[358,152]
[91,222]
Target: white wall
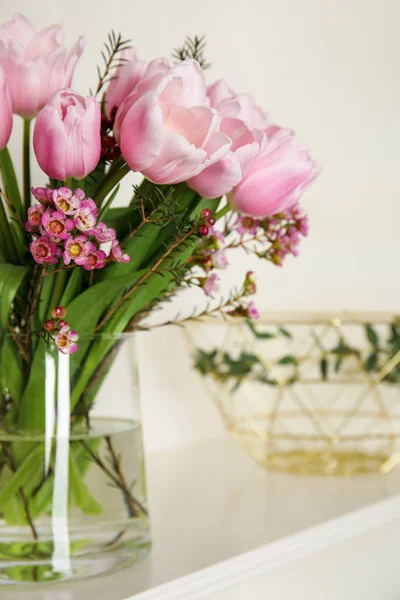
[330,70]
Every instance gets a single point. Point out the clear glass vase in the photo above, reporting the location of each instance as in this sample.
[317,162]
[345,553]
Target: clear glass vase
[72,475]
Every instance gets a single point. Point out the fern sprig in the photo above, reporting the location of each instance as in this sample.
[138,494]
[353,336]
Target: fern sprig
[192,48]
[112,59]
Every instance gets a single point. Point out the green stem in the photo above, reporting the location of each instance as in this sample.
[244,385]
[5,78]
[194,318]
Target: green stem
[221,213]
[109,183]
[26,162]
[58,289]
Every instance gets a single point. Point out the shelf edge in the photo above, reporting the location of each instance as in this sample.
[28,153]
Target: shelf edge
[207,582]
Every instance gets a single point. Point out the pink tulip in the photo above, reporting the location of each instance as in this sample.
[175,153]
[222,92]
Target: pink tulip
[6,117]
[165,129]
[125,80]
[243,121]
[277,177]
[36,64]
[66,138]
[238,106]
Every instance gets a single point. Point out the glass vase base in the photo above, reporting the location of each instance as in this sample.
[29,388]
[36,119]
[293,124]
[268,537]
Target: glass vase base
[30,562]
[306,462]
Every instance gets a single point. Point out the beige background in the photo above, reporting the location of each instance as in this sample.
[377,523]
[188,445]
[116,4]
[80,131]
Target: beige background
[330,70]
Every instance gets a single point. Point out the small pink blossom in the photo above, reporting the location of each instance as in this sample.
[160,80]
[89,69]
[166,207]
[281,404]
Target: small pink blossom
[44,251]
[66,340]
[103,234]
[56,226]
[117,255]
[86,217]
[219,259]
[247,225]
[35,214]
[67,202]
[210,284]
[252,311]
[95,259]
[218,238]
[74,249]
[43,195]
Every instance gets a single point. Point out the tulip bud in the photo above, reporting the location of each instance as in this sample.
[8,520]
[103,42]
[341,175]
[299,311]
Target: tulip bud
[66,137]
[5,111]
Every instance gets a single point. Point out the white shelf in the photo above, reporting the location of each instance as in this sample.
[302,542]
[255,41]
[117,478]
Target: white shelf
[220,519]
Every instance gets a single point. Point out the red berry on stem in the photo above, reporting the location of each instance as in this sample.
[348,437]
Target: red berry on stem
[204,230]
[59,312]
[49,325]
[62,323]
[206,213]
[211,222]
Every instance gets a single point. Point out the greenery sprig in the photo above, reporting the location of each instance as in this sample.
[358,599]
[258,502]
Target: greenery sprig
[193,47]
[112,59]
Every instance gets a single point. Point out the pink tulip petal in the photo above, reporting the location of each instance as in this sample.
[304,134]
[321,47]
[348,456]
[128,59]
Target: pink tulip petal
[44,42]
[219,91]
[6,117]
[194,89]
[195,124]
[74,55]
[142,135]
[19,29]
[126,78]
[176,162]
[218,179]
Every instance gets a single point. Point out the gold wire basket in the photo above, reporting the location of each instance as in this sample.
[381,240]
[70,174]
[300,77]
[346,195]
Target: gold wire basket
[309,393]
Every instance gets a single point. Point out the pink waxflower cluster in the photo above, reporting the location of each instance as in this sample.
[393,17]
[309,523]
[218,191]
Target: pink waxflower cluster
[64,227]
[210,255]
[60,332]
[283,232]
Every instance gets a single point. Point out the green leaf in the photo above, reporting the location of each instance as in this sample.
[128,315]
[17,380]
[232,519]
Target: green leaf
[267,380]
[74,286]
[85,310]
[155,287]
[151,236]
[338,363]
[108,203]
[324,368]
[10,181]
[372,335]
[80,492]
[372,362]
[288,360]
[94,179]
[285,332]
[205,362]
[261,335]
[84,313]
[23,473]
[11,277]
[11,371]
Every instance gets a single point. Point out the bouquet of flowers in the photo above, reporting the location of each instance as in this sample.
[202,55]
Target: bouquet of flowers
[75,270]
